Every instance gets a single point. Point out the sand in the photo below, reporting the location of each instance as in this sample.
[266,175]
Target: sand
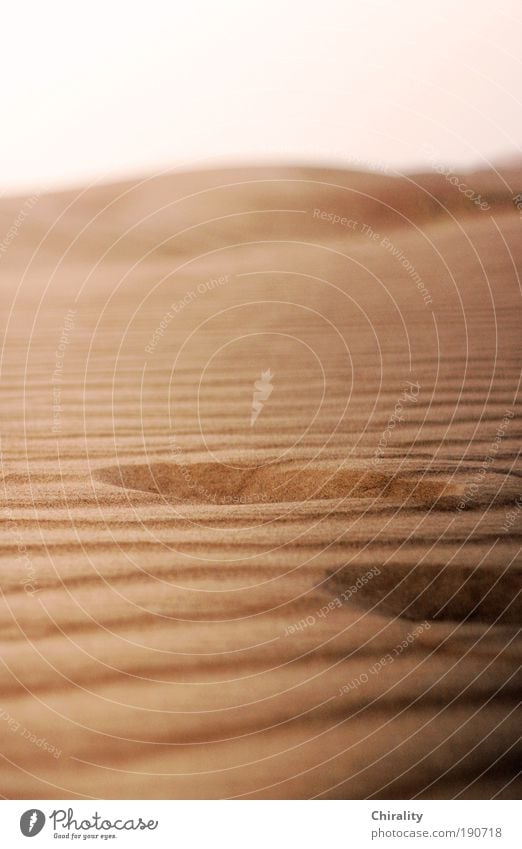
[261,497]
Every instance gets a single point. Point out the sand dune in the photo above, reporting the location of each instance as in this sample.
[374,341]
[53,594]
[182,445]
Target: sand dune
[262,497]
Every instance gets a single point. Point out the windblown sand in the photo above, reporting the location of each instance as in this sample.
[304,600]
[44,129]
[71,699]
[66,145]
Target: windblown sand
[262,502]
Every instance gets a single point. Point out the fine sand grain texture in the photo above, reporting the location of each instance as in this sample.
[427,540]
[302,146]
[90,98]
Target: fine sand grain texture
[261,491]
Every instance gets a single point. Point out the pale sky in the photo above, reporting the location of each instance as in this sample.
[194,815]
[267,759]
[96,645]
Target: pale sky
[109,89]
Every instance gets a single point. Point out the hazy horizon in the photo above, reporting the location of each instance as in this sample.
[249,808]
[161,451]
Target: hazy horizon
[117,93]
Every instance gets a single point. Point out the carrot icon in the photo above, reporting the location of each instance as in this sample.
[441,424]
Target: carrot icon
[262,390]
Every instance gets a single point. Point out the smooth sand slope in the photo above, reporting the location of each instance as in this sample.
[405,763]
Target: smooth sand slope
[261,498]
